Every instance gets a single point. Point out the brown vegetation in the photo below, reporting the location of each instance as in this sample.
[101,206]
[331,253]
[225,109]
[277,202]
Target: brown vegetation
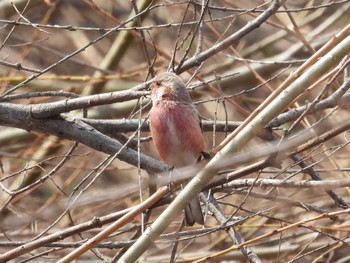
[80,177]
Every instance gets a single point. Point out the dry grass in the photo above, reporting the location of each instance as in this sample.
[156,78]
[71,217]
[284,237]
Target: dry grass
[59,189]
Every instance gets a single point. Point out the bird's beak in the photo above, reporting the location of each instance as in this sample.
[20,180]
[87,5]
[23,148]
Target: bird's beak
[150,86]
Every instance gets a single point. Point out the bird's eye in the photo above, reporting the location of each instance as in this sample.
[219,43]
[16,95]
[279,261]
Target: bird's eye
[155,84]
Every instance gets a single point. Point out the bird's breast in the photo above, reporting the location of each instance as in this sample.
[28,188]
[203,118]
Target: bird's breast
[176,133]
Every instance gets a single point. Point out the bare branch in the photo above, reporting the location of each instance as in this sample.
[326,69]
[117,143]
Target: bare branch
[199,58]
[20,116]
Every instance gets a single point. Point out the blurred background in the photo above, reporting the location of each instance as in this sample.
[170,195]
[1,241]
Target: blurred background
[49,184]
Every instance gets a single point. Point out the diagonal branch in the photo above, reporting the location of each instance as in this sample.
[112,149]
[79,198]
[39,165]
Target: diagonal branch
[255,125]
[20,116]
[191,189]
[249,27]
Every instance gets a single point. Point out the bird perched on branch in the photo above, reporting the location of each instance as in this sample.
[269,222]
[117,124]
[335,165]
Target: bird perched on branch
[176,131]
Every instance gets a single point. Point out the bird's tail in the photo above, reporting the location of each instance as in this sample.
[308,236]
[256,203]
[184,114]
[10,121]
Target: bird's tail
[193,213]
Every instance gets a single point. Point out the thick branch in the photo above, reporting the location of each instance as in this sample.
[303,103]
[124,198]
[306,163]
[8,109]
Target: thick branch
[130,125]
[20,116]
[189,192]
[45,110]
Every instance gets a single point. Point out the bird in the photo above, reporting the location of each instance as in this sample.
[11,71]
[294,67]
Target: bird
[176,130]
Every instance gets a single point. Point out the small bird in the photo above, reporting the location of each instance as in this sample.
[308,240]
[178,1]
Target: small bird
[176,130]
